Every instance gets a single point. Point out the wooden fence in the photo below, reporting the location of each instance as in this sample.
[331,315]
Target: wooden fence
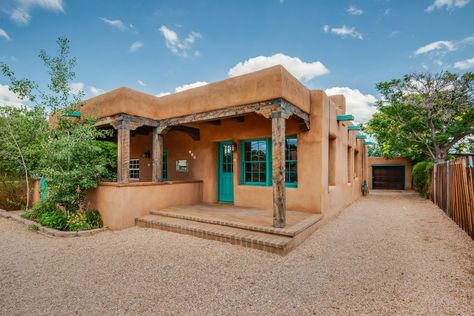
[453,191]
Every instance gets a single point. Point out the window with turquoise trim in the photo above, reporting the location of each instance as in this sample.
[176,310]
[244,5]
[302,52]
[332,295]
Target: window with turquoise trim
[255,161]
[165,166]
[291,159]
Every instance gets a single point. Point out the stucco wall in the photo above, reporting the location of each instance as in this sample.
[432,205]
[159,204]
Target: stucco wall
[271,83]
[313,193]
[396,161]
[119,204]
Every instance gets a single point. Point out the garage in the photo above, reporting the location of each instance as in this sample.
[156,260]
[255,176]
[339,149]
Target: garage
[388,177]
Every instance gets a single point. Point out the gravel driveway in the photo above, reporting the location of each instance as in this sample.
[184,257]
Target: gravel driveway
[389,253]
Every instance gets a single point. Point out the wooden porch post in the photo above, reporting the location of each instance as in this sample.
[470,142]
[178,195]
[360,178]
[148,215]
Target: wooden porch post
[278,168]
[157,156]
[123,155]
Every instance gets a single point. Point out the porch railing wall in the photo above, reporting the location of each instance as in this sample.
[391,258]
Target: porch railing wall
[452,190]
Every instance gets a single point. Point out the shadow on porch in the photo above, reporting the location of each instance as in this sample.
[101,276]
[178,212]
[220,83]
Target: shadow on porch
[248,227]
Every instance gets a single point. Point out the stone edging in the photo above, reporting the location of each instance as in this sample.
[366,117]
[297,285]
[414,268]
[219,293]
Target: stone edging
[50,231]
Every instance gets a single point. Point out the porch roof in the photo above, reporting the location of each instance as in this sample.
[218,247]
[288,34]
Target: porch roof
[267,84]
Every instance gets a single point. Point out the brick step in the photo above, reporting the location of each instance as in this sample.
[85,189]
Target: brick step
[237,236]
[269,230]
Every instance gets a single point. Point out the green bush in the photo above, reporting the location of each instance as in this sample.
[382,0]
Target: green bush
[78,222]
[422,177]
[47,215]
[12,194]
[93,218]
[50,216]
[55,219]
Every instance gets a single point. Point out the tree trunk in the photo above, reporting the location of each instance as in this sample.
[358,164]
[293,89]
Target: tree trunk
[441,155]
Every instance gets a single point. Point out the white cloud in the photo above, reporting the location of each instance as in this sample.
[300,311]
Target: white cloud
[436,51]
[464,64]
[344,31]
[353,10]
[359,104]
[76,87]
[387,12]
[21,14]
[435,46]
[190,86]
[449,4]
[184,87]
[143,84]
[95,91]
[178,46]
[4,34]
[304,71]
[135,46]
[118,24]
[9,98]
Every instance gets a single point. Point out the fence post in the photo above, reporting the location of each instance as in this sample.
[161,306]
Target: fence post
[447,187]
[434,184]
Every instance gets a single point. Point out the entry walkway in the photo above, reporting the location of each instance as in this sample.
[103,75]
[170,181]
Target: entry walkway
[248,227]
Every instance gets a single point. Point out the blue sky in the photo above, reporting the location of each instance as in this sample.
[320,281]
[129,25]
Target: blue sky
[164,46]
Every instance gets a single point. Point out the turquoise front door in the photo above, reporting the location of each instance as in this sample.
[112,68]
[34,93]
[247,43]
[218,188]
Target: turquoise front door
[225,167]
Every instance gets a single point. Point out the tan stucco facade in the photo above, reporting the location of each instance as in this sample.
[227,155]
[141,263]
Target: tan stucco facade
[398,161]
[331,162]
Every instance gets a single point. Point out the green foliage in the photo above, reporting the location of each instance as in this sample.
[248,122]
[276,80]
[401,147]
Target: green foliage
[49,215]
[93,218]
[421,173]
[422,116]
[71,156]
[12,193]
[34,227]
[87,220]
[109,151]
[374,150]
[73,162]
[54,219]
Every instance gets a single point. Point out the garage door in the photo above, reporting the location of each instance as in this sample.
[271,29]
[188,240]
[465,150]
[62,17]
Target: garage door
[388,177]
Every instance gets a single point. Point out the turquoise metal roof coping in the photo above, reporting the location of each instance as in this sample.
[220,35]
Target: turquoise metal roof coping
[354,128]
[72,114]
[347,117]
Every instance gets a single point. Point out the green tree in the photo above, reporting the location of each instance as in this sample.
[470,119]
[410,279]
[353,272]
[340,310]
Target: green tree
[22,133]
[69,153]
[422,116]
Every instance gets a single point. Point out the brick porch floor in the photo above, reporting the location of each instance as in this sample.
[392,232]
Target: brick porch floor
[247,227]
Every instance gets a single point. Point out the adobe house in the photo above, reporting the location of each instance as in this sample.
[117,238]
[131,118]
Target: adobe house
[390,174]
[260,141]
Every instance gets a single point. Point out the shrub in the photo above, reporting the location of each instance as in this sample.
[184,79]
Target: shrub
[34,227]
[422,177]
[54,219]
[47,215]
[93,218]
[78,222]
[12,194]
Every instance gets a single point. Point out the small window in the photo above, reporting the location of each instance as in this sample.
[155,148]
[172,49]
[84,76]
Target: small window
[349,164]
[165,166]
[134,169]
[291,159]
[255,162]
[332,161]
[356,163]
